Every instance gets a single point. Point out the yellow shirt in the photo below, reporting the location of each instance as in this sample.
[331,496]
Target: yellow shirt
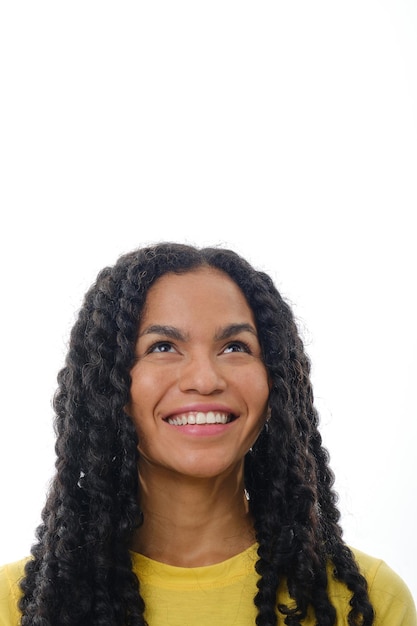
[223,593]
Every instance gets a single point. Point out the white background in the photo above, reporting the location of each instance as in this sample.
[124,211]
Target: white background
[285,130]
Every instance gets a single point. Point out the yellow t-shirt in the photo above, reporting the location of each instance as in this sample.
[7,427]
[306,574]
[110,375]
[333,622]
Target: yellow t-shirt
[223,593]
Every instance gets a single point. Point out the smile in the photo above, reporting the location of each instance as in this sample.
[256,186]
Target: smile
[200,418]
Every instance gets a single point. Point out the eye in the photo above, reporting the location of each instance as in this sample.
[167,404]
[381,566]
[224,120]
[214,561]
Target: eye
[237,346]
[161,347]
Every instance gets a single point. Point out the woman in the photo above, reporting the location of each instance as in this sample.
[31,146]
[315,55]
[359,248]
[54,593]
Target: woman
[191,483]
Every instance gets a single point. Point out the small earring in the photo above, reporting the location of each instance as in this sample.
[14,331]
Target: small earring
[139,519]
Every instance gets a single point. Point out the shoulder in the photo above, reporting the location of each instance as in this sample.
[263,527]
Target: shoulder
[10,577]
[390,596]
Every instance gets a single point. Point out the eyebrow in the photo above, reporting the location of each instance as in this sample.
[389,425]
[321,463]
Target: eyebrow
[166,331]
[174,333]
[235,329]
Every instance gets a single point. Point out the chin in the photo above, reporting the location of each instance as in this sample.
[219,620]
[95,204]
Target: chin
[211,470]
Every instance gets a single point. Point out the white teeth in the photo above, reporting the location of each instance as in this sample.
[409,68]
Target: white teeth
[211,417]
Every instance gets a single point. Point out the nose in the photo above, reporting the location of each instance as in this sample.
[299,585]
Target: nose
[201,374]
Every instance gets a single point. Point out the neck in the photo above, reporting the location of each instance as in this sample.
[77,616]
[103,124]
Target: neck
[191,522]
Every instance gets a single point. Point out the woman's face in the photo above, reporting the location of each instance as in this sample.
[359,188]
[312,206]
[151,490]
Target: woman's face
[199,388]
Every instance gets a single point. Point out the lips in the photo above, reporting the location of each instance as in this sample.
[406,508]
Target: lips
[200,418]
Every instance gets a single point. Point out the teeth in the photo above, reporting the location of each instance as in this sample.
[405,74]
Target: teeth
[211,417]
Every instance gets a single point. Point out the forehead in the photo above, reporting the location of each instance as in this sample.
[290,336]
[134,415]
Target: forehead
[200,293]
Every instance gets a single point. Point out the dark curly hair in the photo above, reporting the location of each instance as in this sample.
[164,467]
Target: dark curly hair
[80,572]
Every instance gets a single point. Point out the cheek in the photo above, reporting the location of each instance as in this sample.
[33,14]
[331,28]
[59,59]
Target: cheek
[258,387]
[139,398]
[146,389]
[254,389]
[143,386]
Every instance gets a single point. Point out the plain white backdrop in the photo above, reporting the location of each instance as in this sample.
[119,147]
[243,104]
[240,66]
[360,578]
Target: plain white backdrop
[285,130]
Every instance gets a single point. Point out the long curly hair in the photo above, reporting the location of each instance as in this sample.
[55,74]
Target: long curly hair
[80,572]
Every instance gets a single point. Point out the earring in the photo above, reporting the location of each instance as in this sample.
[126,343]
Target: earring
[139,520]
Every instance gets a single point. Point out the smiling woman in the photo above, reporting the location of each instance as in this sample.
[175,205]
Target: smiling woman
[199,397]
[199,391]
[191,482]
